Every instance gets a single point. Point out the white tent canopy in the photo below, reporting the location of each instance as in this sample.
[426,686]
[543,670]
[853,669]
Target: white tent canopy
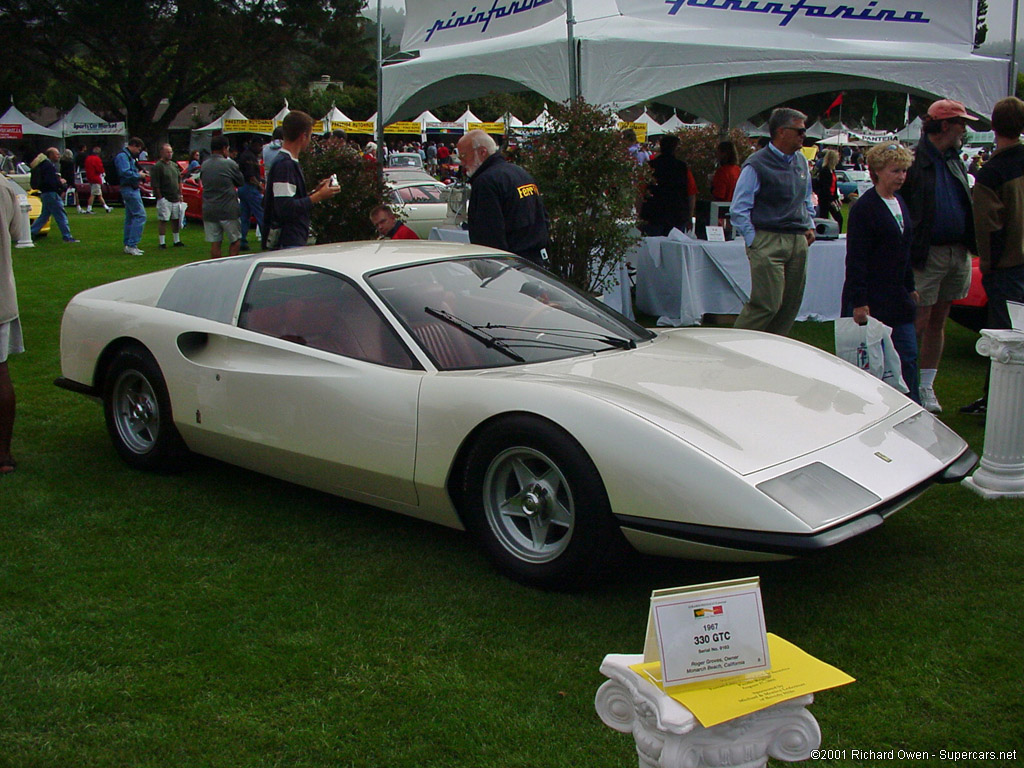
[696,60]
[218,125]
[335,116]
[280,116]
[82,121]
[912,132]
[14,116]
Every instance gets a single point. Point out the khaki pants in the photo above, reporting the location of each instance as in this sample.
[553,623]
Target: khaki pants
[778,269]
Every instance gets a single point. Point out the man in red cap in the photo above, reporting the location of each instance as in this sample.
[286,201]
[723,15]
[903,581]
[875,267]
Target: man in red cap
[939,197]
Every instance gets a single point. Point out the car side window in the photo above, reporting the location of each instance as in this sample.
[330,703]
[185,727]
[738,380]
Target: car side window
[322,311]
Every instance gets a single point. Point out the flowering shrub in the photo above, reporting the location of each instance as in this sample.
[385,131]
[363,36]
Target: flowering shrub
[346,216]
[589,183]
[697,147]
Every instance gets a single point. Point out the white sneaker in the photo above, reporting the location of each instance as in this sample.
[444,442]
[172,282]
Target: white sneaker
[108,208]
[929,401]
[133,251]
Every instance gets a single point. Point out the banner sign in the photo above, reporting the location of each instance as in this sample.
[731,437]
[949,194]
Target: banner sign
[249,126]
[408,127]
[94,129]
[434,23]
[356,126]
[496,128]
[889,21]
[442,127]
[640,129]
[10,131]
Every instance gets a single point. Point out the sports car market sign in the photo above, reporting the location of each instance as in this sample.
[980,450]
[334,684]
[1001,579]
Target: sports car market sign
[892,21]
[10,131]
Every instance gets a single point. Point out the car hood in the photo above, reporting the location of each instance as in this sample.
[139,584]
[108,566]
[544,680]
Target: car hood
[751,400]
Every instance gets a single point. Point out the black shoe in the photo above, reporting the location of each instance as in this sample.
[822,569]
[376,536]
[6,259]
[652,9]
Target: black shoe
[978,408]
[179,244]
[163,246]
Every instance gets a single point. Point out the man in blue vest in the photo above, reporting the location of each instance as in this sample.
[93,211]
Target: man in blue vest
[772,210]
[129,178]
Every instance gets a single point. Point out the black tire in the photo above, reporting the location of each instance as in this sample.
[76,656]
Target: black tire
[137,410]
[535,503]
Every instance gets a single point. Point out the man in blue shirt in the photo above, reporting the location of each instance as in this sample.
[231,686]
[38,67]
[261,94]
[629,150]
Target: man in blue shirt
[129,178]
[772,210]
[938,195]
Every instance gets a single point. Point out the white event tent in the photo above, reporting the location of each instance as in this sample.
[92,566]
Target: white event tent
[232,113]
[82,121]
[28,127]
[722,61]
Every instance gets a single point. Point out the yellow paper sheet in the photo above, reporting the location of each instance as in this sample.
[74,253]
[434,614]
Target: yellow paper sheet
[794,673]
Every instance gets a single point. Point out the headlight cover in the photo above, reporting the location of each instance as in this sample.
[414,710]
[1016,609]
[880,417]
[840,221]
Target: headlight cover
[932,435]
[818,495]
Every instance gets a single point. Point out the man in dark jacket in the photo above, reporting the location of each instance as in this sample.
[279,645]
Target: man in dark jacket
[999,221]
[938,195]
[505,207]
[286,203]
[51,188]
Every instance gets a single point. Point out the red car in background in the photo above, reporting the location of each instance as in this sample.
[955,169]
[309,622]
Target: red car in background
[972,310]
[111,191]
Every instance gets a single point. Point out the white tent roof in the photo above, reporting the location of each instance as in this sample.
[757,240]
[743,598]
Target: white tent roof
[82,121]
[816,131]
[218,125]
[280,116]
[672,124]
[711,71]
[335,116]
[15,116]
[426,116]
[653,126]
[844,140]
[912,132]
[468,117]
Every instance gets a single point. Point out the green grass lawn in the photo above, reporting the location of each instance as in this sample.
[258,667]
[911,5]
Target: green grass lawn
[222,618]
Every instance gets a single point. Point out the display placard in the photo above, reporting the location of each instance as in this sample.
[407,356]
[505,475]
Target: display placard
[640,129]
[10,131]
[707,631]
[715,234]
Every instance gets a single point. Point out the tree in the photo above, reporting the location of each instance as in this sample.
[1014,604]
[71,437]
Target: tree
[589,182]
[127,56]
[346,216]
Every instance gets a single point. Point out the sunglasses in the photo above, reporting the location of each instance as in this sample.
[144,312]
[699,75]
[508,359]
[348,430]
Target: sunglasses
[801,131]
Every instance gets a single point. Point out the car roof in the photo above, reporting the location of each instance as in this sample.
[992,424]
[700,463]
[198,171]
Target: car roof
[357,258]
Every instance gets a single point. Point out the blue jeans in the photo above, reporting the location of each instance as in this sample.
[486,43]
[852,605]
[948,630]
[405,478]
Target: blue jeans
[904,338]
[251,202]
[52,206]
[134,216]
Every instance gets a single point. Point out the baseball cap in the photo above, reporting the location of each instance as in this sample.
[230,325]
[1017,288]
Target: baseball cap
[946,109]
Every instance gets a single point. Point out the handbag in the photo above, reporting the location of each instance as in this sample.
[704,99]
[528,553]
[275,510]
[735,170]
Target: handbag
[870,348]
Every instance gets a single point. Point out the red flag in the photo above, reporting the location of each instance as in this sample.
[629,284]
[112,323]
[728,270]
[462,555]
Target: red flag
[833,105]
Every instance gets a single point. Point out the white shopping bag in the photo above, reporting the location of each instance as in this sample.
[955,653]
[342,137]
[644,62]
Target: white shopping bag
[870,348]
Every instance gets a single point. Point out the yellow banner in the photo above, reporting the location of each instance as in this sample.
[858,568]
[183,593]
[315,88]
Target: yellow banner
[357,126]
[498,128]
[249,126]
[318,126]
[640,129]
[407,127]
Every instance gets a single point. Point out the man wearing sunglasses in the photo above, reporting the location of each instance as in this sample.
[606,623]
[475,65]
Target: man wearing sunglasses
[938,195]
[772,208]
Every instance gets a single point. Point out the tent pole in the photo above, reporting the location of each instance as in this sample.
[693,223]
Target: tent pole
[379,128]
[726,107]
[1011,86]
[570,24]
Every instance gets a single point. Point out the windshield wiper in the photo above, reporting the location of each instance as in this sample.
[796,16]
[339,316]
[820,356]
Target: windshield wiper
[612,341]
[475,332]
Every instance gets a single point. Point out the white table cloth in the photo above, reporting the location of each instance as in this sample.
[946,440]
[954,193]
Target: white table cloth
[680,279]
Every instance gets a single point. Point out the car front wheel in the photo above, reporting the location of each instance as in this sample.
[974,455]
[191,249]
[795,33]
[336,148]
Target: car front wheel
[138,412]
[536,504]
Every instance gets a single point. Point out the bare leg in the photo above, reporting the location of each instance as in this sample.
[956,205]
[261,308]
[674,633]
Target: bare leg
[931,333]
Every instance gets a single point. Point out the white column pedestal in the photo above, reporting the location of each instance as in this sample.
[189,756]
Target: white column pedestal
[668,736]
[25,240]
[1000,473]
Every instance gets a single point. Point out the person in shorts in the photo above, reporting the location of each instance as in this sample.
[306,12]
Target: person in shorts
[221,178]
[165,178]
[938,194]
[11,224]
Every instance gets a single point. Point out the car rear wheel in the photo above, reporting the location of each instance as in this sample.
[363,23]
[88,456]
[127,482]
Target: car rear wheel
[138,412]
[536,504]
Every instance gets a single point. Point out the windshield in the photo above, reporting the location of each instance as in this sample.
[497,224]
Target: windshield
[484,312]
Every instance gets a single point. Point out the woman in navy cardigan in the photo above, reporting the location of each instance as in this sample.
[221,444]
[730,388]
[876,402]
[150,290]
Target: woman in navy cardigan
[879,279]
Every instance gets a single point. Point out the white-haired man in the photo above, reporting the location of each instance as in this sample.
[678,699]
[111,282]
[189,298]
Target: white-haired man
[505,210]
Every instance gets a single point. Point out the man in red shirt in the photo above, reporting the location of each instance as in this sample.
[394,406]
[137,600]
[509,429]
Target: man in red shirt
[388,226]
[94,176]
